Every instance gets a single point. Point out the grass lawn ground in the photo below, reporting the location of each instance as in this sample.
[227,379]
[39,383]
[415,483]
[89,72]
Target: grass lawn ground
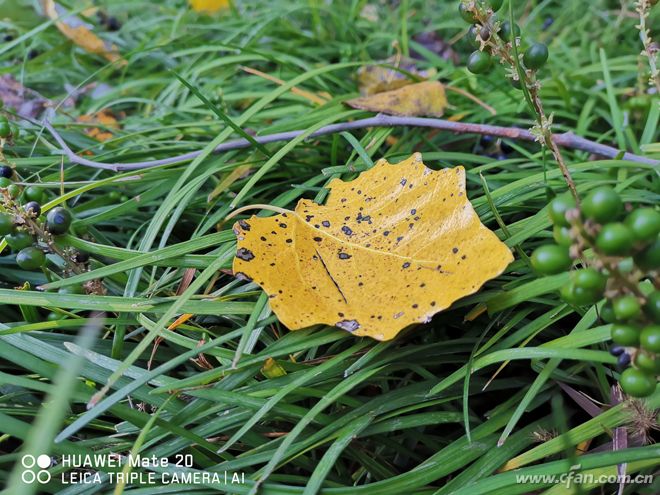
[509,377]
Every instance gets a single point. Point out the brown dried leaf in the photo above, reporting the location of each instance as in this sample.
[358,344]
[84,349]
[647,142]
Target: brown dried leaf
[80,32]
[424,98]
[374,79]
[103,117]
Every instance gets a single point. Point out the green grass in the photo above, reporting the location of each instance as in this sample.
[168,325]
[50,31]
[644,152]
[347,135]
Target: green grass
[350,416]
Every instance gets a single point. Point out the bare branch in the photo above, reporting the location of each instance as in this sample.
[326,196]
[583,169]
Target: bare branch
[566,140]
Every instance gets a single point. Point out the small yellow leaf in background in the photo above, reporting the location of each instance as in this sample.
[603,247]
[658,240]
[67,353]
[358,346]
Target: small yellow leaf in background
[80,32]
[209,5]
[389,249]
[271,369]
[424,98]
[374,79]
[105,118]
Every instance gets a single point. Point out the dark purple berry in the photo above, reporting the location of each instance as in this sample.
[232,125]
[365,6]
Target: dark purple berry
[617,350]
[33,207]
[624,360]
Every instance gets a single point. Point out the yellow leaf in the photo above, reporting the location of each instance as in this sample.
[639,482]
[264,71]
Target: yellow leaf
[271,369]
[389,249]
[374,79]
[424,98]
[80,32]
[209,5]
[103,117]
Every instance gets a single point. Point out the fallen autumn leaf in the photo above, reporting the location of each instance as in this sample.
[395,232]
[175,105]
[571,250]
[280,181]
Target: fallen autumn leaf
[389,249]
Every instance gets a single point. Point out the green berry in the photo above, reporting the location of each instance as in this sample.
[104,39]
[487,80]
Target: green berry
[465,14]
[535,56]
[14,191]
[615,239]
[637,383]
[644,224]
[495,4]
[505,31]
[566,293]
[72,289]
[34,193]
[19,240]
[114,196]
[471,37]
[6,224]
[578,296]
[652,306]
[649,258]
[626,307]
[626,265]
[625,335]
[54,316]
[607,313]
[562,235]
[6,172]
[30,258]
[602,205]
[479,62]
[650,338]
[5,129]
[551,259]
[591,279]
[557,210]
[5,182]
[648,363]
[58,220]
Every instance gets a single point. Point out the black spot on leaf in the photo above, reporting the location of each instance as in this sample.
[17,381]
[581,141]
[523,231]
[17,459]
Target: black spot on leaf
[244,254]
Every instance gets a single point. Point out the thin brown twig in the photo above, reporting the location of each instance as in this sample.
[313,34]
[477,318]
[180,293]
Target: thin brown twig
[566,140]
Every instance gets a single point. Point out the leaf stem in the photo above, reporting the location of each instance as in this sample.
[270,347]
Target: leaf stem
[240,210]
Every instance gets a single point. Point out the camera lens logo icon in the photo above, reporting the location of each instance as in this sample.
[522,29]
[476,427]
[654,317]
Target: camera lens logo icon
[29,475]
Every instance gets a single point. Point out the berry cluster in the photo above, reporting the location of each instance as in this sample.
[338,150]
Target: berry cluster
[21,222]
[30,234]
[9,131]
[616,253]
[491,38]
